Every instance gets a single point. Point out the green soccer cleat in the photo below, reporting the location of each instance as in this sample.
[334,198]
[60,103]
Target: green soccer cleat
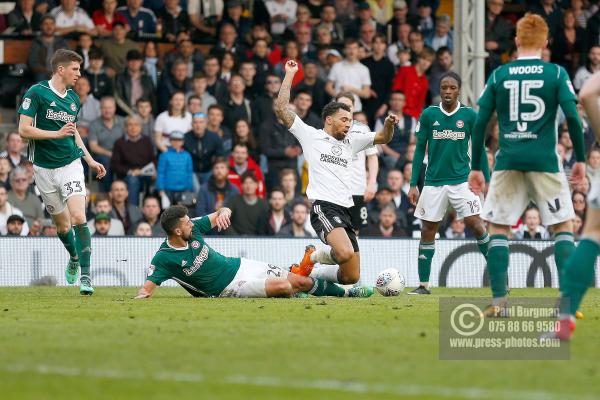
[85,286]
[360,291]
[72,271]
[300,295]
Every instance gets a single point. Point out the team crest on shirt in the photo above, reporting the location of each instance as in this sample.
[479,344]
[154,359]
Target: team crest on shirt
[336,150]
[460,123]
[26,103]
[195,244]
[151,269]
[73,107]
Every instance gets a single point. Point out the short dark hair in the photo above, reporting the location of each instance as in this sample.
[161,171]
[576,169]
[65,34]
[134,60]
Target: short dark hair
[194,96]
[332,107]
[199,75]
[345,95]
[453,75]
[216,106]
[299,203]
[248,175]
[220,160]
[351,41]
[442,50]
[169,220]
[95,53]
[143,100]
[276,189]
[64,57]
[151,197]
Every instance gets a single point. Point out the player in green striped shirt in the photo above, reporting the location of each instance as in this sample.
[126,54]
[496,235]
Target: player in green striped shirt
[526,94]
[187,259]
[48,114]
[444,131]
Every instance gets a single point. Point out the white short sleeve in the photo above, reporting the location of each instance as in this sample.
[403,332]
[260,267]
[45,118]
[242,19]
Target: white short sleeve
[302,131]
[161,122]
[371,151]
[365,77]
[361,140]
[85,19]
[333,74]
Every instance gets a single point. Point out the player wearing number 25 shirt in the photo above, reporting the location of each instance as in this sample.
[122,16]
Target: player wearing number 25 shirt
[526,94]
[48,114]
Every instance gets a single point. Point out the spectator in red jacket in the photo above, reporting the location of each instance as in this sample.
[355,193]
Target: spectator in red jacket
[413,83]
[240,162]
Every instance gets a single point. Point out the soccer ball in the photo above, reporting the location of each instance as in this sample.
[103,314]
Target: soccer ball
[390,282]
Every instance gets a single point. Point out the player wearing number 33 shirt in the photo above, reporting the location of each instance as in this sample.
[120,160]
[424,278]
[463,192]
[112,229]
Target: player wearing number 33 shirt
[526,94]
[329,153]
[48,114]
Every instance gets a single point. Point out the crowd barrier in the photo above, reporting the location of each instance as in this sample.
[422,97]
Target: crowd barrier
[123,261]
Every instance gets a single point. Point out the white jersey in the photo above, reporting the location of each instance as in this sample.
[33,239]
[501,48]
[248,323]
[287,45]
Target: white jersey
[358,168]
[329,161]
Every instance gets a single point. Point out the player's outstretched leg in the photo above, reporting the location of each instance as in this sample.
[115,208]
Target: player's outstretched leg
[321,287]
[578,275]
[498,257]
[426,253]
[342,253]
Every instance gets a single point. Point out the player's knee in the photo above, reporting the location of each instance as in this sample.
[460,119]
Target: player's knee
[281,288]
[78,218]
[349,277]
[343,254]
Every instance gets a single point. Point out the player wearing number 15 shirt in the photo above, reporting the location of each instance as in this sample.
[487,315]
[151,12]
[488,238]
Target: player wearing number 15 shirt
[526,94]
[48,114]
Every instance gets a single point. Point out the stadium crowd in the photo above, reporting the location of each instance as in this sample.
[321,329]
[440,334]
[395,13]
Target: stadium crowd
[197,127]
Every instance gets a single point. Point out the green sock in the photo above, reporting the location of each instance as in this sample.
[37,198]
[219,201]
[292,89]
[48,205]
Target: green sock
[426,252]
[83,244]
[323,288]
[68,240]
[564,246]
[578,275]
[482,243]
[498,255]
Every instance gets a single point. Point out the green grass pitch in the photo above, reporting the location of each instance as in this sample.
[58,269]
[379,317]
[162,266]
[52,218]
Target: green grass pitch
[55,344]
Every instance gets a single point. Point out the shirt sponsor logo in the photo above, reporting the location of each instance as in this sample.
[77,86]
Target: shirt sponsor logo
[59,116]
[334,160]
[526,69]
[520,135]
[26,103]
[448,134]
[198,261]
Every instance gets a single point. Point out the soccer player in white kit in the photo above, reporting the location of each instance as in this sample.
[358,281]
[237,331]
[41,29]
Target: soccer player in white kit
[329,152]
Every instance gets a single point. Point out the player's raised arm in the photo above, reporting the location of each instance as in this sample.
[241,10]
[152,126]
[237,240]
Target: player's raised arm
[220,219]
[589,95]
[387,132]
[146,290]
[283,98]
[28,131]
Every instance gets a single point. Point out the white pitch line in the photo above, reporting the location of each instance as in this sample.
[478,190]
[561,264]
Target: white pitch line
[321,384]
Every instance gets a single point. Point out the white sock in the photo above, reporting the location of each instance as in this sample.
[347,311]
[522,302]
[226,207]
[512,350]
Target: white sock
[326,272]
[323,256]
